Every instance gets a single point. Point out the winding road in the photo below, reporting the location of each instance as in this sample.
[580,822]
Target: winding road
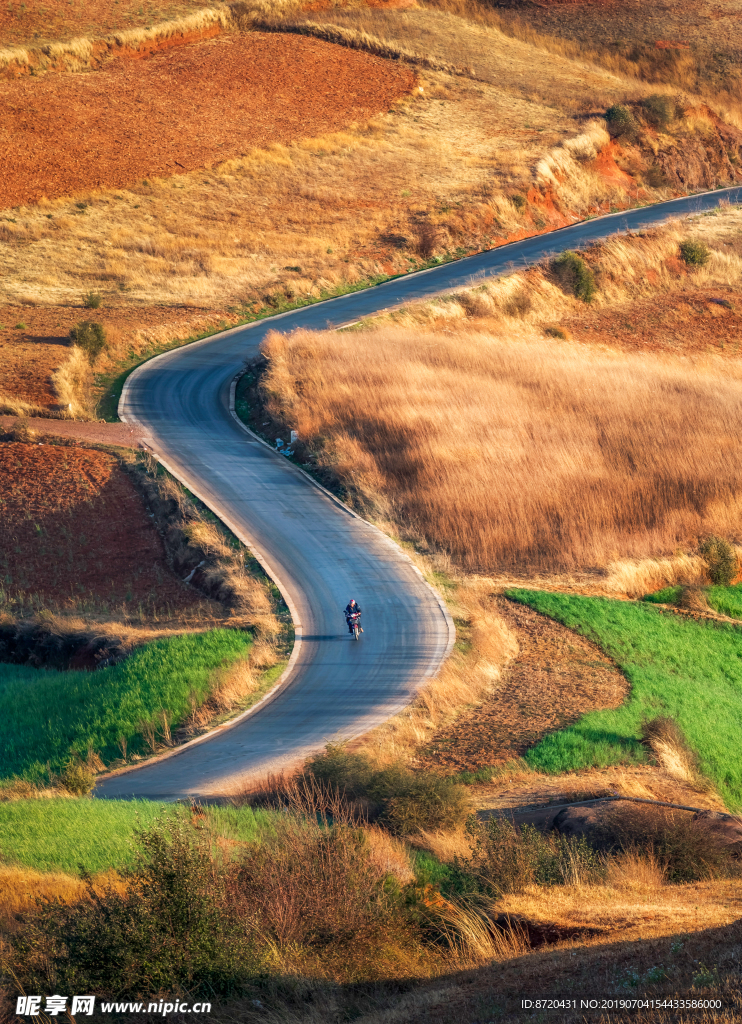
[318,552]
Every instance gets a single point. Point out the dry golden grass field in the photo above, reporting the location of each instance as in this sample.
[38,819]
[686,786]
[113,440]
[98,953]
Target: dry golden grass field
[470,158]
[690,43]
[464,423]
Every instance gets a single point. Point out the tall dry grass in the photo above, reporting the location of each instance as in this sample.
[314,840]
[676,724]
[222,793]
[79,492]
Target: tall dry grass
[73,384]
[502,450]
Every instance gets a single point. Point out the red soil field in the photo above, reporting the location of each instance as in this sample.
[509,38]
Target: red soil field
[62,19]
[74,529]
[556,677]
[34,339]
[64,134]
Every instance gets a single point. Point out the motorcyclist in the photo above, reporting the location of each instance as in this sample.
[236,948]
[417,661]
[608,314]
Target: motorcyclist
[351,609]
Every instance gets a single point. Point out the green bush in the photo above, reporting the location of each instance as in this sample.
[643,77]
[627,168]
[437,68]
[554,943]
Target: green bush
[658,110]
[574,275]
[621,122]
[92,300]
[720,559]
[77,778]
[518,201]
[168,931]
[403,800]
[90,337]
[694,254]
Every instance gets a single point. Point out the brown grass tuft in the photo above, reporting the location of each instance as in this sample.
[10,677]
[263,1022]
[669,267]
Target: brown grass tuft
[633,869]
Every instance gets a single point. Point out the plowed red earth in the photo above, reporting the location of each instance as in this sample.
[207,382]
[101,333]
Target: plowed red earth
[683,322]
[73,529]
[66,134]
[62,19]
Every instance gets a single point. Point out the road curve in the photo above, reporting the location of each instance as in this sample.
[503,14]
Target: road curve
[319,554]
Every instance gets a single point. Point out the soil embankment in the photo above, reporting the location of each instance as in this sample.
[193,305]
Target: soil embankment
[34,341]
[177,111]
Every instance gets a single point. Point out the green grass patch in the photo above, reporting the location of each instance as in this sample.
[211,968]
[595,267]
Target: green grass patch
[668,595]
[687,669]
[45,715]
[726,600]
[96,835]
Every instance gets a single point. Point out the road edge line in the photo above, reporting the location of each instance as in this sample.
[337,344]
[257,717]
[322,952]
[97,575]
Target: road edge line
[448,619]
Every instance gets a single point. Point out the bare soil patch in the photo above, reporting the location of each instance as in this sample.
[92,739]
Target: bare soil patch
[556,677]
[34,340]
[683,322]
[176,111]
[122,435]
[61,20]
[74,530]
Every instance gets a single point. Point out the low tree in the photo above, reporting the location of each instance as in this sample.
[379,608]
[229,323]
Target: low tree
[89,336]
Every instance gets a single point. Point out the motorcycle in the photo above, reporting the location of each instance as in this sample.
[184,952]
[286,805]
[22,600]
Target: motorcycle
[354,621]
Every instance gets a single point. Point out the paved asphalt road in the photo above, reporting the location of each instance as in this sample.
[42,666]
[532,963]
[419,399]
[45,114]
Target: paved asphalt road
[319,554]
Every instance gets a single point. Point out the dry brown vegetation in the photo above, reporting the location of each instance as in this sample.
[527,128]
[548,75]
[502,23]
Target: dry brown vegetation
[440,172]
[501,448]
[686,43]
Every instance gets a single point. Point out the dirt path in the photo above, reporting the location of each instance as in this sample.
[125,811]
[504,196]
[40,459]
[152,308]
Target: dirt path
[556,677]
[180,110]
[124,435]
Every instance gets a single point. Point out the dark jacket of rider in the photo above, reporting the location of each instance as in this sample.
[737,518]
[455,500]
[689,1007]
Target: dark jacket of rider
[352,608]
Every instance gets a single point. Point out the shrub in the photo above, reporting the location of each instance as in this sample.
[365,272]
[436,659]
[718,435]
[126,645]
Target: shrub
[506,858]
[621,122]
[720,559]
[92,300]
[665,739]
[403,800]
[428,239]
[694,254]
[656,177]
[556,332]
[519,304]
[658,110]
[169,930]
[574,275]
[689,850]
[518,201]
[90,337]
[311,884]
[77,778]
